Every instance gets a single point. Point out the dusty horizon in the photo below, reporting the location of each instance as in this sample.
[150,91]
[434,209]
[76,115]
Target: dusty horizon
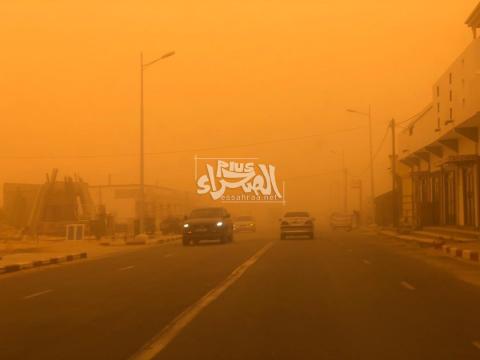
[241,75]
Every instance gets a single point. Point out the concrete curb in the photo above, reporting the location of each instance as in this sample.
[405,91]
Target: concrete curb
[431,242]
[453,251]
[44,262]
[169,239]
[466,254]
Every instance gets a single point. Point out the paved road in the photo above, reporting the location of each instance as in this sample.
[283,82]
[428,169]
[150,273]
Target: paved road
[336,297]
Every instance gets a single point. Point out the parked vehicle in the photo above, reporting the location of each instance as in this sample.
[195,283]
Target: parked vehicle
[245,224]
[214,223]
[298,223]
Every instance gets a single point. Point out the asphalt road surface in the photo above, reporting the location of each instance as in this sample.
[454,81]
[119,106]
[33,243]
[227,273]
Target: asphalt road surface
[335,297]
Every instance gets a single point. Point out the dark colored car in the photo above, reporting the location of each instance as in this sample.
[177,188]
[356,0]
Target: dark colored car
[213,223]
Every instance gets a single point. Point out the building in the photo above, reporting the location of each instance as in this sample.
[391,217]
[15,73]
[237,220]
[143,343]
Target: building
[438,155]
[123,203]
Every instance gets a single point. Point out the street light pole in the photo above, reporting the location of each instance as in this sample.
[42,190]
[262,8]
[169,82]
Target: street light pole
[141,224]
[143,66]
[345,183]
[372,176]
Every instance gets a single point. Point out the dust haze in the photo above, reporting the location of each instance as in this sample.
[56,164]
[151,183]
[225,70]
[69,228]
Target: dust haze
[243,77]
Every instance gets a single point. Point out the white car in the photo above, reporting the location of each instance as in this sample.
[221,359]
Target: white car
[297,223]
[245,223]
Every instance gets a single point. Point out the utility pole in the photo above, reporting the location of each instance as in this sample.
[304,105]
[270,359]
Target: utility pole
[345,181]
[394,175]
[372,181]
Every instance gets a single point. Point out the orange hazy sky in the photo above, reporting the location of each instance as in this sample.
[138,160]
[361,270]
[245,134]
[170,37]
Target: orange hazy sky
[244,72]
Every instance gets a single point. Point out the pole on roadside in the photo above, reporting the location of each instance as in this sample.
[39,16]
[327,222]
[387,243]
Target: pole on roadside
[345,182]
[141,220]
[372,177]
[143,66]
[360,202]
[394,180]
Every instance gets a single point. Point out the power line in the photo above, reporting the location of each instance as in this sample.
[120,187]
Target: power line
[416,115]
[193,150]
[313,175]
[376,151]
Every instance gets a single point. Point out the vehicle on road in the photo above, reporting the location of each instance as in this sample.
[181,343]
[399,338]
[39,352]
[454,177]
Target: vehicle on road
[245,224]
[342,220]
[213,223]
[297,223]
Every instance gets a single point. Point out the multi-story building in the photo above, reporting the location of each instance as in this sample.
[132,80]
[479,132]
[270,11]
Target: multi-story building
[438,155]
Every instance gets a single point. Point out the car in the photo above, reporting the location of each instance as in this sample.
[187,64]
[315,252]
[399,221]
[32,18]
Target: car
[296,223]
[342,220]
[212,223]
[244,224]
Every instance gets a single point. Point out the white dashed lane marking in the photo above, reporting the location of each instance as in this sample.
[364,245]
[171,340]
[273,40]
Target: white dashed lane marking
[40,293]
[366,262]
[162,339]
[126,268]
[407,286]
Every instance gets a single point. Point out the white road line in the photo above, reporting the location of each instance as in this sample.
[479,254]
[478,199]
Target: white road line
[476,344]
[168,255]
[164,337]
[408,286]
[366,262]
[126,268]
[37,294]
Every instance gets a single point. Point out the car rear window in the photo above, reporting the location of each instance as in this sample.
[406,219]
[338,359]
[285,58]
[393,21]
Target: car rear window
[245,218]
[207,213]
[297,214]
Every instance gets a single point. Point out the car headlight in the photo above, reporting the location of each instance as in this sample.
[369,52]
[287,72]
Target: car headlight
[186,226]
[220,223]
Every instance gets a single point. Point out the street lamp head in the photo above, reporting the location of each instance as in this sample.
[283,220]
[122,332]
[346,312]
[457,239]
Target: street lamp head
[164,56]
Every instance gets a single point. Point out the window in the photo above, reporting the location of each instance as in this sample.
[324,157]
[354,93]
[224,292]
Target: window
[438,108]
[438,90]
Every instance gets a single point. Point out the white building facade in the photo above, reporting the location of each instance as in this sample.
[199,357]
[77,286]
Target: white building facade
[439,162]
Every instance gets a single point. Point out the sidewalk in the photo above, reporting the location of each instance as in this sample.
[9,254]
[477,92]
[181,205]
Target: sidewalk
[24,254]
[459,249]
